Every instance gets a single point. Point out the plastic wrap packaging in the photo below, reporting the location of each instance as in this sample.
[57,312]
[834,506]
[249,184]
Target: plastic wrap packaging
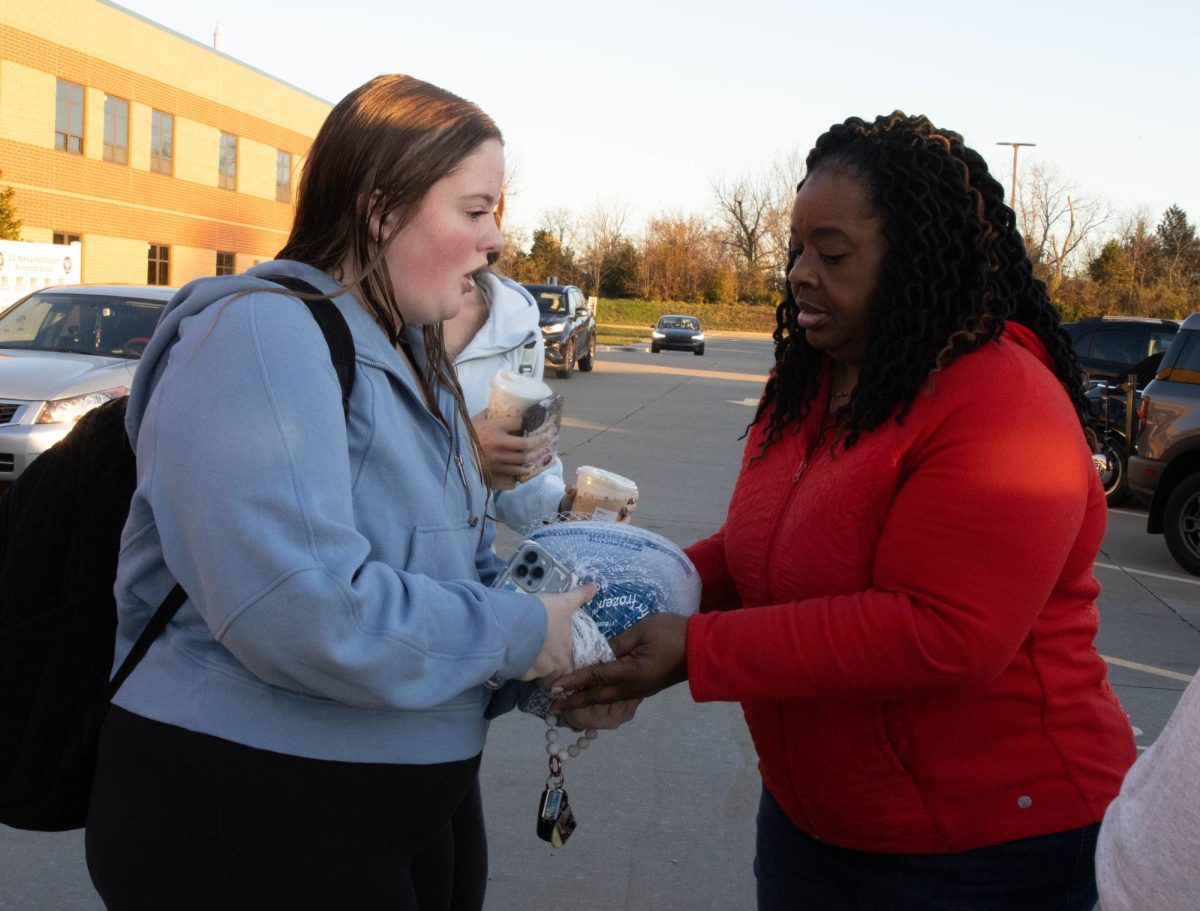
[638,572]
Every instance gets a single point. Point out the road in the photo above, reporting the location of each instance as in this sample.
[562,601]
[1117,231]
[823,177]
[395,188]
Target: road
[666,804]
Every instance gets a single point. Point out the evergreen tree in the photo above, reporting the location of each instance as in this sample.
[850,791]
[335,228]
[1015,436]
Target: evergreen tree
[1111,266]
[621,274]
[1179,247]
[10,225]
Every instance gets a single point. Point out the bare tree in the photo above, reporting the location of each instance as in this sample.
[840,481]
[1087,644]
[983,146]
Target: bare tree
[787,170]
[1056,221]
[753,214]
[743,206]
[561,223]
[679,255]
[600,234]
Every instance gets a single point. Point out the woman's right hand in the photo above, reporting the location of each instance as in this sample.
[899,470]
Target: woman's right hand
[557,656]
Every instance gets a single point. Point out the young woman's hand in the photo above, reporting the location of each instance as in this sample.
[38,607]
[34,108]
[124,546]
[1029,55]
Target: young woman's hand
[509,452]
[557,656]
[651,656]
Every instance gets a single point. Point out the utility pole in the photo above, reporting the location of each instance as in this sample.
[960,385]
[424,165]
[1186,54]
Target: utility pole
[1012,198]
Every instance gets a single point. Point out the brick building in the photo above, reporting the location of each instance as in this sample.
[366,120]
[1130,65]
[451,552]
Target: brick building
[165,158]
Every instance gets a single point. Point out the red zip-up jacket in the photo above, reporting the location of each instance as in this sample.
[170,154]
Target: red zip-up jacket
[909,624]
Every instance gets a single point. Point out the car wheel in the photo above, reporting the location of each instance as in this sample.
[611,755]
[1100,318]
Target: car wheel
[588,360]
[1181,524]
[564,372]
[654,349]
[1111,461]
[698,351]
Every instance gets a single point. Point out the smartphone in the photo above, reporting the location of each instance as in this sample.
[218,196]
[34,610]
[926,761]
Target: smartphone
[533,569]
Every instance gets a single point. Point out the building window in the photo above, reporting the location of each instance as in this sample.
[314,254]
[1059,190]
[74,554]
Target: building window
[283,176]
[162,142]
[68,118]
[158,265]
[63,237]
[227,169]
[224,263]
[116,130]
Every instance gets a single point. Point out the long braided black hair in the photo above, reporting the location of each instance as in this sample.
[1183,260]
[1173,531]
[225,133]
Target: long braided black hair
[954,273]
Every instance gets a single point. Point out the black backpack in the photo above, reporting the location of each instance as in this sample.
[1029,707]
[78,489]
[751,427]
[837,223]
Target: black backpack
[60,533]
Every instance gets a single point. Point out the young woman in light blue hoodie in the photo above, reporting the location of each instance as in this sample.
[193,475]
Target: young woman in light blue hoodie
[311,720]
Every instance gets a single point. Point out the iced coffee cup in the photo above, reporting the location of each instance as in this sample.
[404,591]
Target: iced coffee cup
[601,494]
[514,395]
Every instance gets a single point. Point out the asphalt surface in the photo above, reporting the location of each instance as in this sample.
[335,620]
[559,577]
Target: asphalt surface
[666,805]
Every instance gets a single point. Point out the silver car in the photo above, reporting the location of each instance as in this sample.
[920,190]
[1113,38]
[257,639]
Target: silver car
[63,351]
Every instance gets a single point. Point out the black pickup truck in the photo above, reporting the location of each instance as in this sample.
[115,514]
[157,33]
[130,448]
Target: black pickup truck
[568,327]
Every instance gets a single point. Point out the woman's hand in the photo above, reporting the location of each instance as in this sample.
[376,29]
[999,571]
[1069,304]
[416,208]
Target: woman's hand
[602,717]
[557,656]
[508,451]
[651,656]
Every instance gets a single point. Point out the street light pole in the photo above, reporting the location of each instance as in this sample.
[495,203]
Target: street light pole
[1012,198]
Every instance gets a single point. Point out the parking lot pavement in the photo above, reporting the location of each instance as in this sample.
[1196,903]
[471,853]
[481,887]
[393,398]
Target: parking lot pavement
[1149,622]
[666,804]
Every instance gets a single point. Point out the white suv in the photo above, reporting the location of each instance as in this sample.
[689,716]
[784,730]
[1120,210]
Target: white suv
[63,351]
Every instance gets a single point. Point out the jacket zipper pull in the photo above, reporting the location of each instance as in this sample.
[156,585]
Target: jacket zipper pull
[799,471]
[462,474]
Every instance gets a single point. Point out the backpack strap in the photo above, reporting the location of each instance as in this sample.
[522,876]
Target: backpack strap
[341,351]
[157,624]
[333,327]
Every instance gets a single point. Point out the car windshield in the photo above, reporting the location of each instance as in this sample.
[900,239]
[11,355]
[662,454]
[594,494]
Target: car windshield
[679,322]
[552,303]
[107,325]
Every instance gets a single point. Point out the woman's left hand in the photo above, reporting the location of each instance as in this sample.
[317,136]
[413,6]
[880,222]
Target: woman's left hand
[602,717]
[651,656]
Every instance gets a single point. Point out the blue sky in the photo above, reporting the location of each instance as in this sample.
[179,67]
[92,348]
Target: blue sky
[646,103]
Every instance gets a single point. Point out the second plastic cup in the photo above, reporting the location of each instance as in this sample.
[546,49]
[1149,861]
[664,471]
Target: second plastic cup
[601,494]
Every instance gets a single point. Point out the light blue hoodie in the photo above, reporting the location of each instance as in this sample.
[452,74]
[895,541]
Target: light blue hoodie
[336,605]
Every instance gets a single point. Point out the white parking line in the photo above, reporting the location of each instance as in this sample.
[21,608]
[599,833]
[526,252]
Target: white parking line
[1148,669]
[1189,580]
[1140,514]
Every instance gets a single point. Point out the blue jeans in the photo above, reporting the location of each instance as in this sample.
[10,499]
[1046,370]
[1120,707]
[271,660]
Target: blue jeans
[796,871]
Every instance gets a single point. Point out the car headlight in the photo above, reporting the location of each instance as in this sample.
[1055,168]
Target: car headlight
[657,334]
[554,327]
[698,337]
[68,411]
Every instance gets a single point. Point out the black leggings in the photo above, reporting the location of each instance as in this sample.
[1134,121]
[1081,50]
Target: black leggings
[185,821]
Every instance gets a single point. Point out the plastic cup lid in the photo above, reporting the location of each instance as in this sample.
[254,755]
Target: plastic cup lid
[604,478]
[521,387]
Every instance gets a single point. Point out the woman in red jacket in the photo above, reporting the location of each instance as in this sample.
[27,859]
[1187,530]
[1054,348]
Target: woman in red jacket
[902,595]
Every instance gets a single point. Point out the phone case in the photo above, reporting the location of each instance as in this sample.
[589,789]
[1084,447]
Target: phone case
[532,569]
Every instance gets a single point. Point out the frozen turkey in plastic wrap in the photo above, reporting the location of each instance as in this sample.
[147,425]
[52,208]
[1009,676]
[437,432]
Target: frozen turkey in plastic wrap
[638,573]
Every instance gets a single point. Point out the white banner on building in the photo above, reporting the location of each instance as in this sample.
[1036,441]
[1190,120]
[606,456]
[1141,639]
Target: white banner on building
[26,267]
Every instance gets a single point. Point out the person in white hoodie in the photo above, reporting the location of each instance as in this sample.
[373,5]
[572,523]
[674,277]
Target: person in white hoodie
[497,329]
[1147,854]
